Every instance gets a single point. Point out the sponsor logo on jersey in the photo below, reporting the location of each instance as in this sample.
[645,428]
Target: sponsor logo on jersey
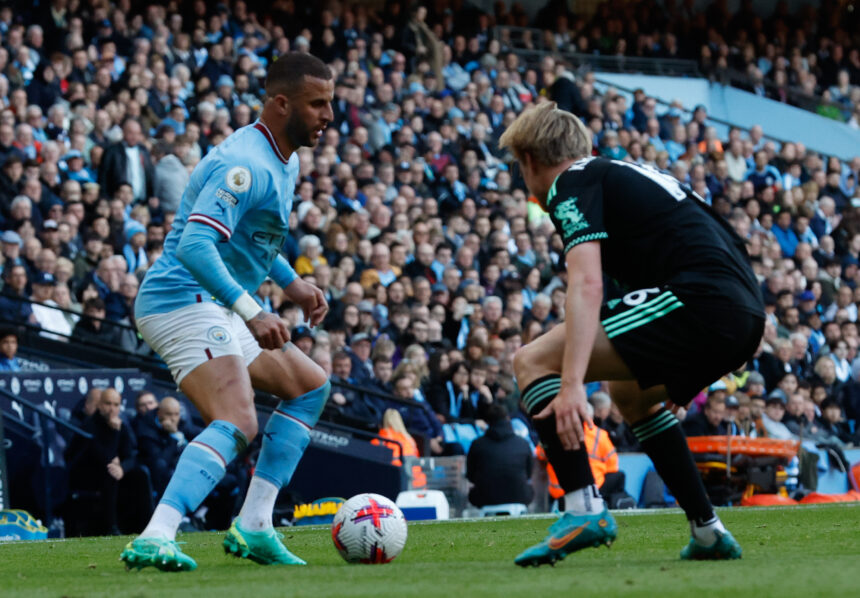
[570,218]
[228,197]
[219,335]
[239,179]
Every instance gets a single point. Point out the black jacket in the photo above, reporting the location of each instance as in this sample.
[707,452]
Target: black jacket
[499,464]
[621,436]
[698,425]
[113,169]
[157,449]
[566,94]
[87,458]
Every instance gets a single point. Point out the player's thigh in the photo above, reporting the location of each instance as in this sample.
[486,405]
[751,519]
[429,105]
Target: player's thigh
[286,373]
[201,347]
[545,356]
[634,403]
[220,388]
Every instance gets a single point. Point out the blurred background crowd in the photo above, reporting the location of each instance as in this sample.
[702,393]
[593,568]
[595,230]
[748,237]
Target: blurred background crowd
[436,263]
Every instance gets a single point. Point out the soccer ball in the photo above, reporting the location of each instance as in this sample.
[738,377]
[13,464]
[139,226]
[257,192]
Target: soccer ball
[369,528]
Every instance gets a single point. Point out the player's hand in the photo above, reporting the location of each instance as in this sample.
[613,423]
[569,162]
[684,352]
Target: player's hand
[674,407]
[115,469]
[310,298]
[269,330]
[570,415]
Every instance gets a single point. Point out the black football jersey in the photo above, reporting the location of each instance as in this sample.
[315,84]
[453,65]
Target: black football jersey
[653,231]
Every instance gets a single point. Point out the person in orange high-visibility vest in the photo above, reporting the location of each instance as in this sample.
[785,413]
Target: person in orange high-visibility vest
[395,431]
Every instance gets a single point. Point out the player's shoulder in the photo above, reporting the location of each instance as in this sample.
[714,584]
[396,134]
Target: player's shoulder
[585,170]
[582,173]
[241,160]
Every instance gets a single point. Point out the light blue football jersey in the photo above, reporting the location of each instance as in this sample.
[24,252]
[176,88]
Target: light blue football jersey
[244,189]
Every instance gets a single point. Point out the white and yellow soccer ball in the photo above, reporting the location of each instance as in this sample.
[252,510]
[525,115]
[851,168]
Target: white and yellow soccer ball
[369,528]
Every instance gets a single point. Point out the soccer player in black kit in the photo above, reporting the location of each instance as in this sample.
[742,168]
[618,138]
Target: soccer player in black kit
[689,310]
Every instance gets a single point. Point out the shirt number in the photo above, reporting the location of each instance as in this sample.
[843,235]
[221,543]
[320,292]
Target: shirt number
[669,183]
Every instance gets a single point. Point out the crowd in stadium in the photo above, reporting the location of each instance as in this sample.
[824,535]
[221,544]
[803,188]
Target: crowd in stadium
[435,263]
[807,57]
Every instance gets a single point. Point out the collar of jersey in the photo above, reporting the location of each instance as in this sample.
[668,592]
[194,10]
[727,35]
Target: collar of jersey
[271,139]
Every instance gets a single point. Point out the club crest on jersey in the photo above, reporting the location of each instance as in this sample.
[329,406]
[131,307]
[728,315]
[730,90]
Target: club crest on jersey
[227,197]
[239,179]
[219,335]
[570,218]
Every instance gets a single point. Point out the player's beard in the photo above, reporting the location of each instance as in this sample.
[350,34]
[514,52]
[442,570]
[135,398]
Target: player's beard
[299,133]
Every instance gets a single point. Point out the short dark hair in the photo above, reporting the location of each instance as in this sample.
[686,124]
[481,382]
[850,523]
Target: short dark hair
[380,359]
[287,73]
[496,412]
[94,303]
[830,402]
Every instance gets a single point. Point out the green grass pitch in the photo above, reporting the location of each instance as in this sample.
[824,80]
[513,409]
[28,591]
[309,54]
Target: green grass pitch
[797,551]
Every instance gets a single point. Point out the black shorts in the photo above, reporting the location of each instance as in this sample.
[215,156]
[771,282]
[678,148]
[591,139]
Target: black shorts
[684,346]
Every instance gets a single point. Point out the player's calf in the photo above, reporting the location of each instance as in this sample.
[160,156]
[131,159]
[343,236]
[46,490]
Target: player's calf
[587,522]
[663,440]
[285,439]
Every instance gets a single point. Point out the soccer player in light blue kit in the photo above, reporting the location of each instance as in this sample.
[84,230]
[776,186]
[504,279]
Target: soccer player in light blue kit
[195,309]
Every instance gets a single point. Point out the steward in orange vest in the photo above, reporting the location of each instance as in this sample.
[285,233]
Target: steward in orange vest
[394,430]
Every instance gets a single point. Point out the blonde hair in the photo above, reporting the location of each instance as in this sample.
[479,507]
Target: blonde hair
[550,135]
[406,367]
[392,420]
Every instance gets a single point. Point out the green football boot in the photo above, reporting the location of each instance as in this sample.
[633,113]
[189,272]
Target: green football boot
[156,552]
[263,547]
[570,533]
[724,548]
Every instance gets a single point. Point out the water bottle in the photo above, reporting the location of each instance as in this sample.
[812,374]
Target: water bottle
[57,529]
[792,470]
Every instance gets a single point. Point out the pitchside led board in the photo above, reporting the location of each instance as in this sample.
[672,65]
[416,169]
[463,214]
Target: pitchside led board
[58,391]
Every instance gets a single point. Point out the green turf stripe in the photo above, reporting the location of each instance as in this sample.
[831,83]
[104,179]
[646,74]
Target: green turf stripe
[645,428]
[653,317]
[632,315]
[657,430]
[636,309]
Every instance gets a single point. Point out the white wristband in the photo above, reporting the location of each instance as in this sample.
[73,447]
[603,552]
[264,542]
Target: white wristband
[246,307]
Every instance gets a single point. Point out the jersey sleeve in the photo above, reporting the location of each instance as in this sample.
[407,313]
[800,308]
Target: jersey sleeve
[575,203]
[227,192]
[282,272]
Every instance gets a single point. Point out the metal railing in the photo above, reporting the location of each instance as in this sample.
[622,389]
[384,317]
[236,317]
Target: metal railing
[88,354]
[795,96]
[41,435]
[530,45]
[712,119]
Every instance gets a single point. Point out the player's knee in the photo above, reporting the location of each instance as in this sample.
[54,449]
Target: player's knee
[632,408]
[314,377]
[249,427]
[522,358]
[309,406]
[245,419]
